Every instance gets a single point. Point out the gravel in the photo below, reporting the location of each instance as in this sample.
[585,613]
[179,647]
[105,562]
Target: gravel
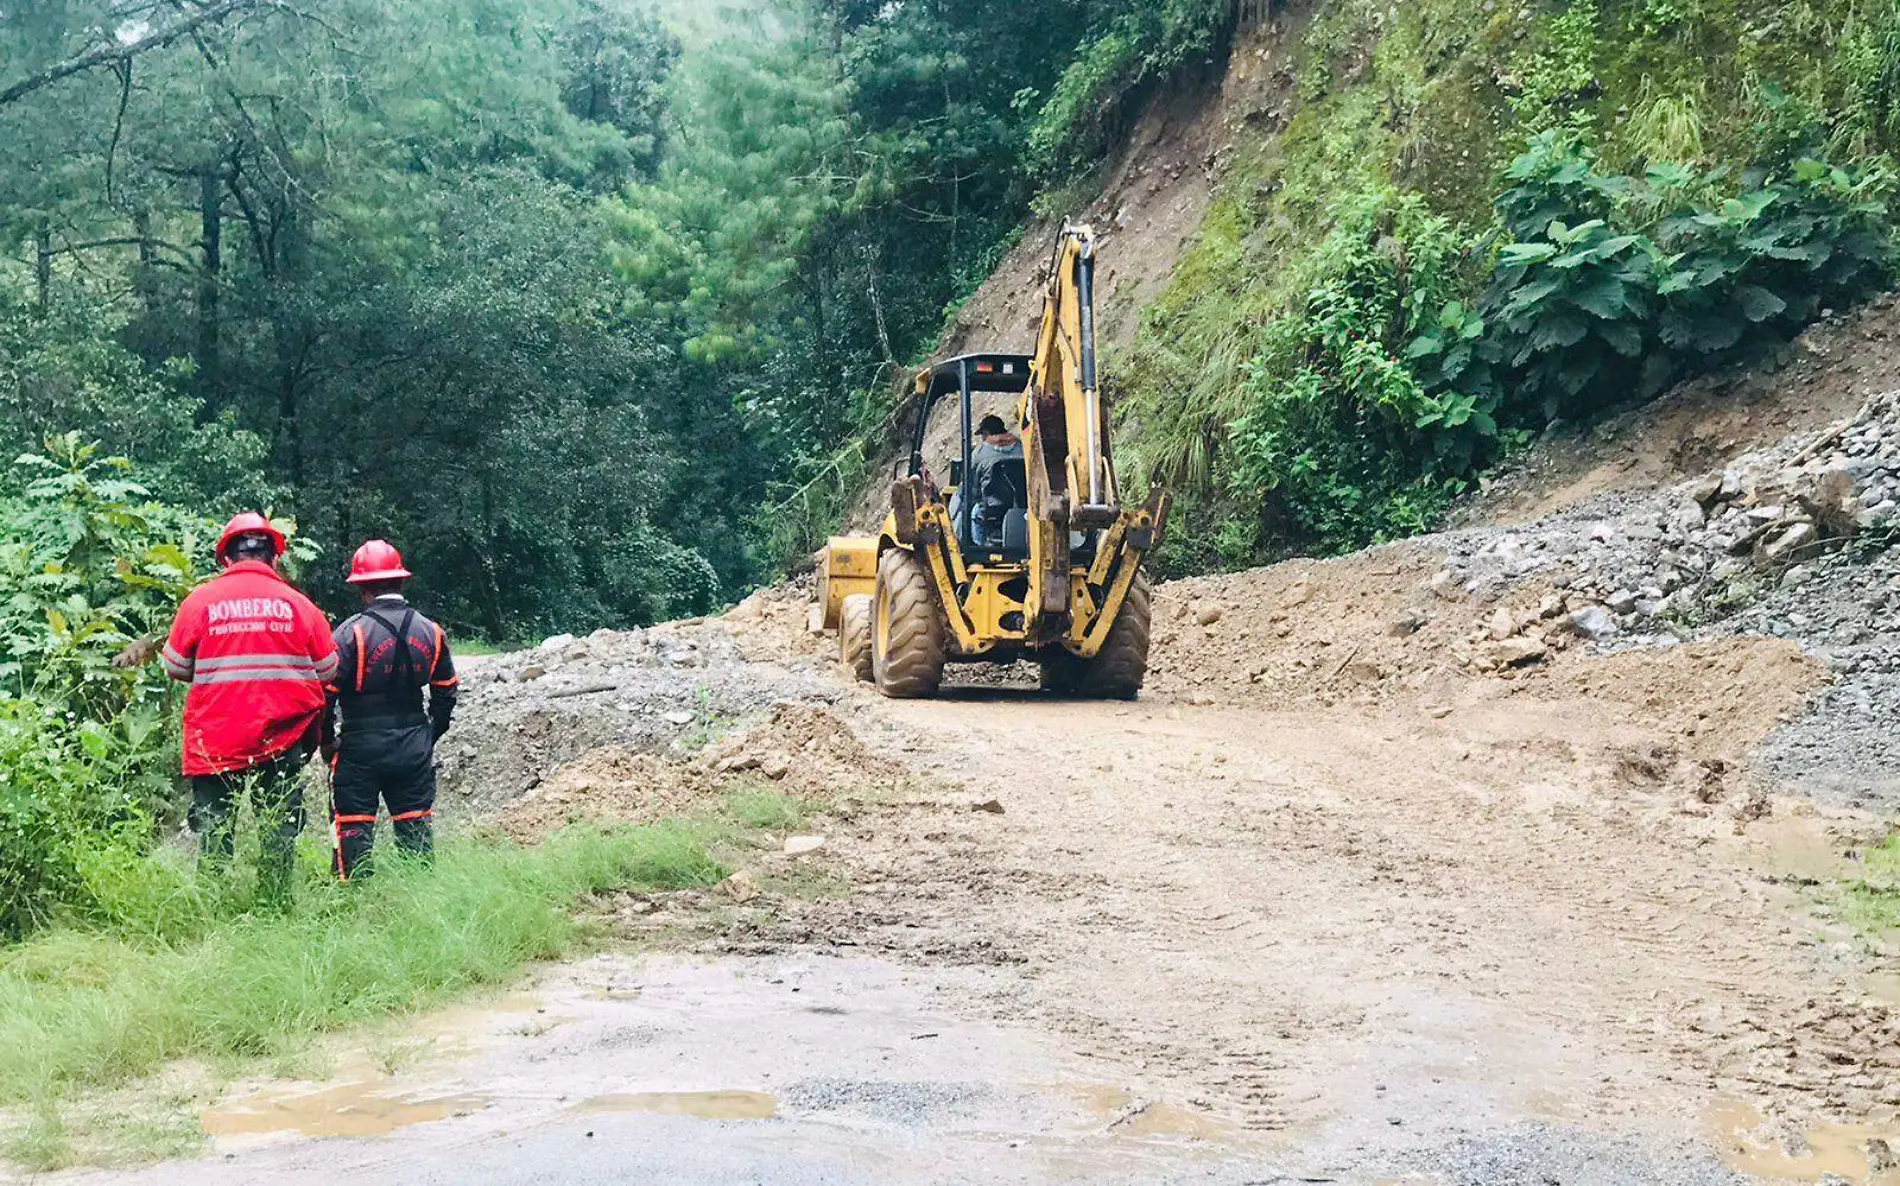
[1792,541]
[1536,1154]
[667,690]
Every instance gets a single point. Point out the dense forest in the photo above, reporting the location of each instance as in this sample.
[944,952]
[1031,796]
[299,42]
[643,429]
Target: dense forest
[585,303]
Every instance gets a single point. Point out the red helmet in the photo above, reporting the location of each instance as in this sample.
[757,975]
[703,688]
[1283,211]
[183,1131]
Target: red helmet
[377,560]
[250,523]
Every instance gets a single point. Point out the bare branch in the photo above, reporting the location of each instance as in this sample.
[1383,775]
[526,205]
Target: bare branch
[121,53]
[124,70]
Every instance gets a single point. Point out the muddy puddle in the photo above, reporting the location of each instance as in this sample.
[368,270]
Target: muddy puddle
[807,1060]
[1751,1144]
[701,1105]
[345,1110]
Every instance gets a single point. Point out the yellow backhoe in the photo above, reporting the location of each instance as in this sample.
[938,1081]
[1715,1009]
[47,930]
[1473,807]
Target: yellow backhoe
[1041,561]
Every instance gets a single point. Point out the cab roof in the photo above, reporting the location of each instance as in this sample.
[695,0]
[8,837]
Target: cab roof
[988,372]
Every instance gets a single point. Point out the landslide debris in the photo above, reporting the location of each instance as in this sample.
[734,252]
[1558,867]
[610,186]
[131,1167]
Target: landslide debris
[663,693]
[800,749]
[1695,581]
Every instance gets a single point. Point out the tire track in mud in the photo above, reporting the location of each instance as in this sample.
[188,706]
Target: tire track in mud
[1274,914]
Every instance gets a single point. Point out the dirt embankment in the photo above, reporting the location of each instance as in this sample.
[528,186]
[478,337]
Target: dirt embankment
[1146,205]
[1152,197]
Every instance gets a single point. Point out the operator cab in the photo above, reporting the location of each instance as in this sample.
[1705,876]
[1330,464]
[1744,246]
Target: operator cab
[967,378]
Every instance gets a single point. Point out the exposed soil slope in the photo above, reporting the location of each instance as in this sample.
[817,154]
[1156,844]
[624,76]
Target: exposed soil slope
[1152,198]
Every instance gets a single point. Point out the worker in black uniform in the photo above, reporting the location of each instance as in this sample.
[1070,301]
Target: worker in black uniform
[381,733]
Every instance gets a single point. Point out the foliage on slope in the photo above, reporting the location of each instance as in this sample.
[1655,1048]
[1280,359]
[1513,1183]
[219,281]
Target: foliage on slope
[1482,218]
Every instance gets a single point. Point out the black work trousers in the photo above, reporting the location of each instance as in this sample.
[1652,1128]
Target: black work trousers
[276,791]
[396,766]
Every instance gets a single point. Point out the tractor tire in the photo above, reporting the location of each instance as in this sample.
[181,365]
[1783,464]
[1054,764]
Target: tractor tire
[1120,667]
[907,629]
[854,636]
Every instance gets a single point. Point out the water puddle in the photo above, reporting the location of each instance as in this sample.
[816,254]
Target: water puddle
[701,1105]
[1129,1115]
[346,1110]
[1858,1153]
[1168,1120]
[611,993]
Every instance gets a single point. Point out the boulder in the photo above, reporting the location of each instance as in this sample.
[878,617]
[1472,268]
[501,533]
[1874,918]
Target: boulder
[558,642]
[798,846]
[1516,652]
[1789,542]
[1593,622]
[1408,625]
[740,887]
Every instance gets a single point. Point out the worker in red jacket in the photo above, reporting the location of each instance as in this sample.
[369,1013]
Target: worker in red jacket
[257,654]
[380,732]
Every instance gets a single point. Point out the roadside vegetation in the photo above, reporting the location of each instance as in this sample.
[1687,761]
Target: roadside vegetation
[1873,903]
[1480,222]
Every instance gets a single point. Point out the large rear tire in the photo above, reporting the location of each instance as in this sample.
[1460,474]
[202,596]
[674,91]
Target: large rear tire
[854,635]
[907,633]
[1120,668]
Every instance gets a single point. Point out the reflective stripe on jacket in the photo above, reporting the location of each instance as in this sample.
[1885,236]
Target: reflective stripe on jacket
[256,653]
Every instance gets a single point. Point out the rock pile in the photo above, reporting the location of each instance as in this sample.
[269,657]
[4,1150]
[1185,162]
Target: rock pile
[659,691]
[1662,565]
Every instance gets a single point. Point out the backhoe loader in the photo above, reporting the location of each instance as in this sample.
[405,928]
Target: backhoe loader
[1042,562]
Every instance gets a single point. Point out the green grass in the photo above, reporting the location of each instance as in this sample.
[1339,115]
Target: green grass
[478,647]
[765,811]
[1872,904]
[91,1009]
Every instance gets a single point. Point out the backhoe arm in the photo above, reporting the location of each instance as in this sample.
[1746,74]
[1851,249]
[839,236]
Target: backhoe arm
[1071,472]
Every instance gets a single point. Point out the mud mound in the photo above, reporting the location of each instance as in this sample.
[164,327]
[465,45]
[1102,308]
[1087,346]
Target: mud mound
[660,691]
[807,749]
[1721,697]
[1318,629]
[800,750]
[772,626]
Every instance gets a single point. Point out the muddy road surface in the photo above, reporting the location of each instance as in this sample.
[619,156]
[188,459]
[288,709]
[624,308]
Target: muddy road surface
[1503,931]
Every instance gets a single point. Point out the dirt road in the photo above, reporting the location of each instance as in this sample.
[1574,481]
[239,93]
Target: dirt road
[1385,931]
[1514,936]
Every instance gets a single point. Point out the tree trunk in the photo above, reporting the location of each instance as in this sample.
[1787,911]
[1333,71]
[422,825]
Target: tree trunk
[210,215]
[144,280]
[43,265]
[292,340]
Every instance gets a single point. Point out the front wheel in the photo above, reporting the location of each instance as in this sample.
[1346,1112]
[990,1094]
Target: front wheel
[1120,668]
[907,633]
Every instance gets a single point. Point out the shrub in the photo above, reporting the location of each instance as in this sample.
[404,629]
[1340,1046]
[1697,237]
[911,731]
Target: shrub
[86,751]
[1143,43]
[1340,427]
[1599,298]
